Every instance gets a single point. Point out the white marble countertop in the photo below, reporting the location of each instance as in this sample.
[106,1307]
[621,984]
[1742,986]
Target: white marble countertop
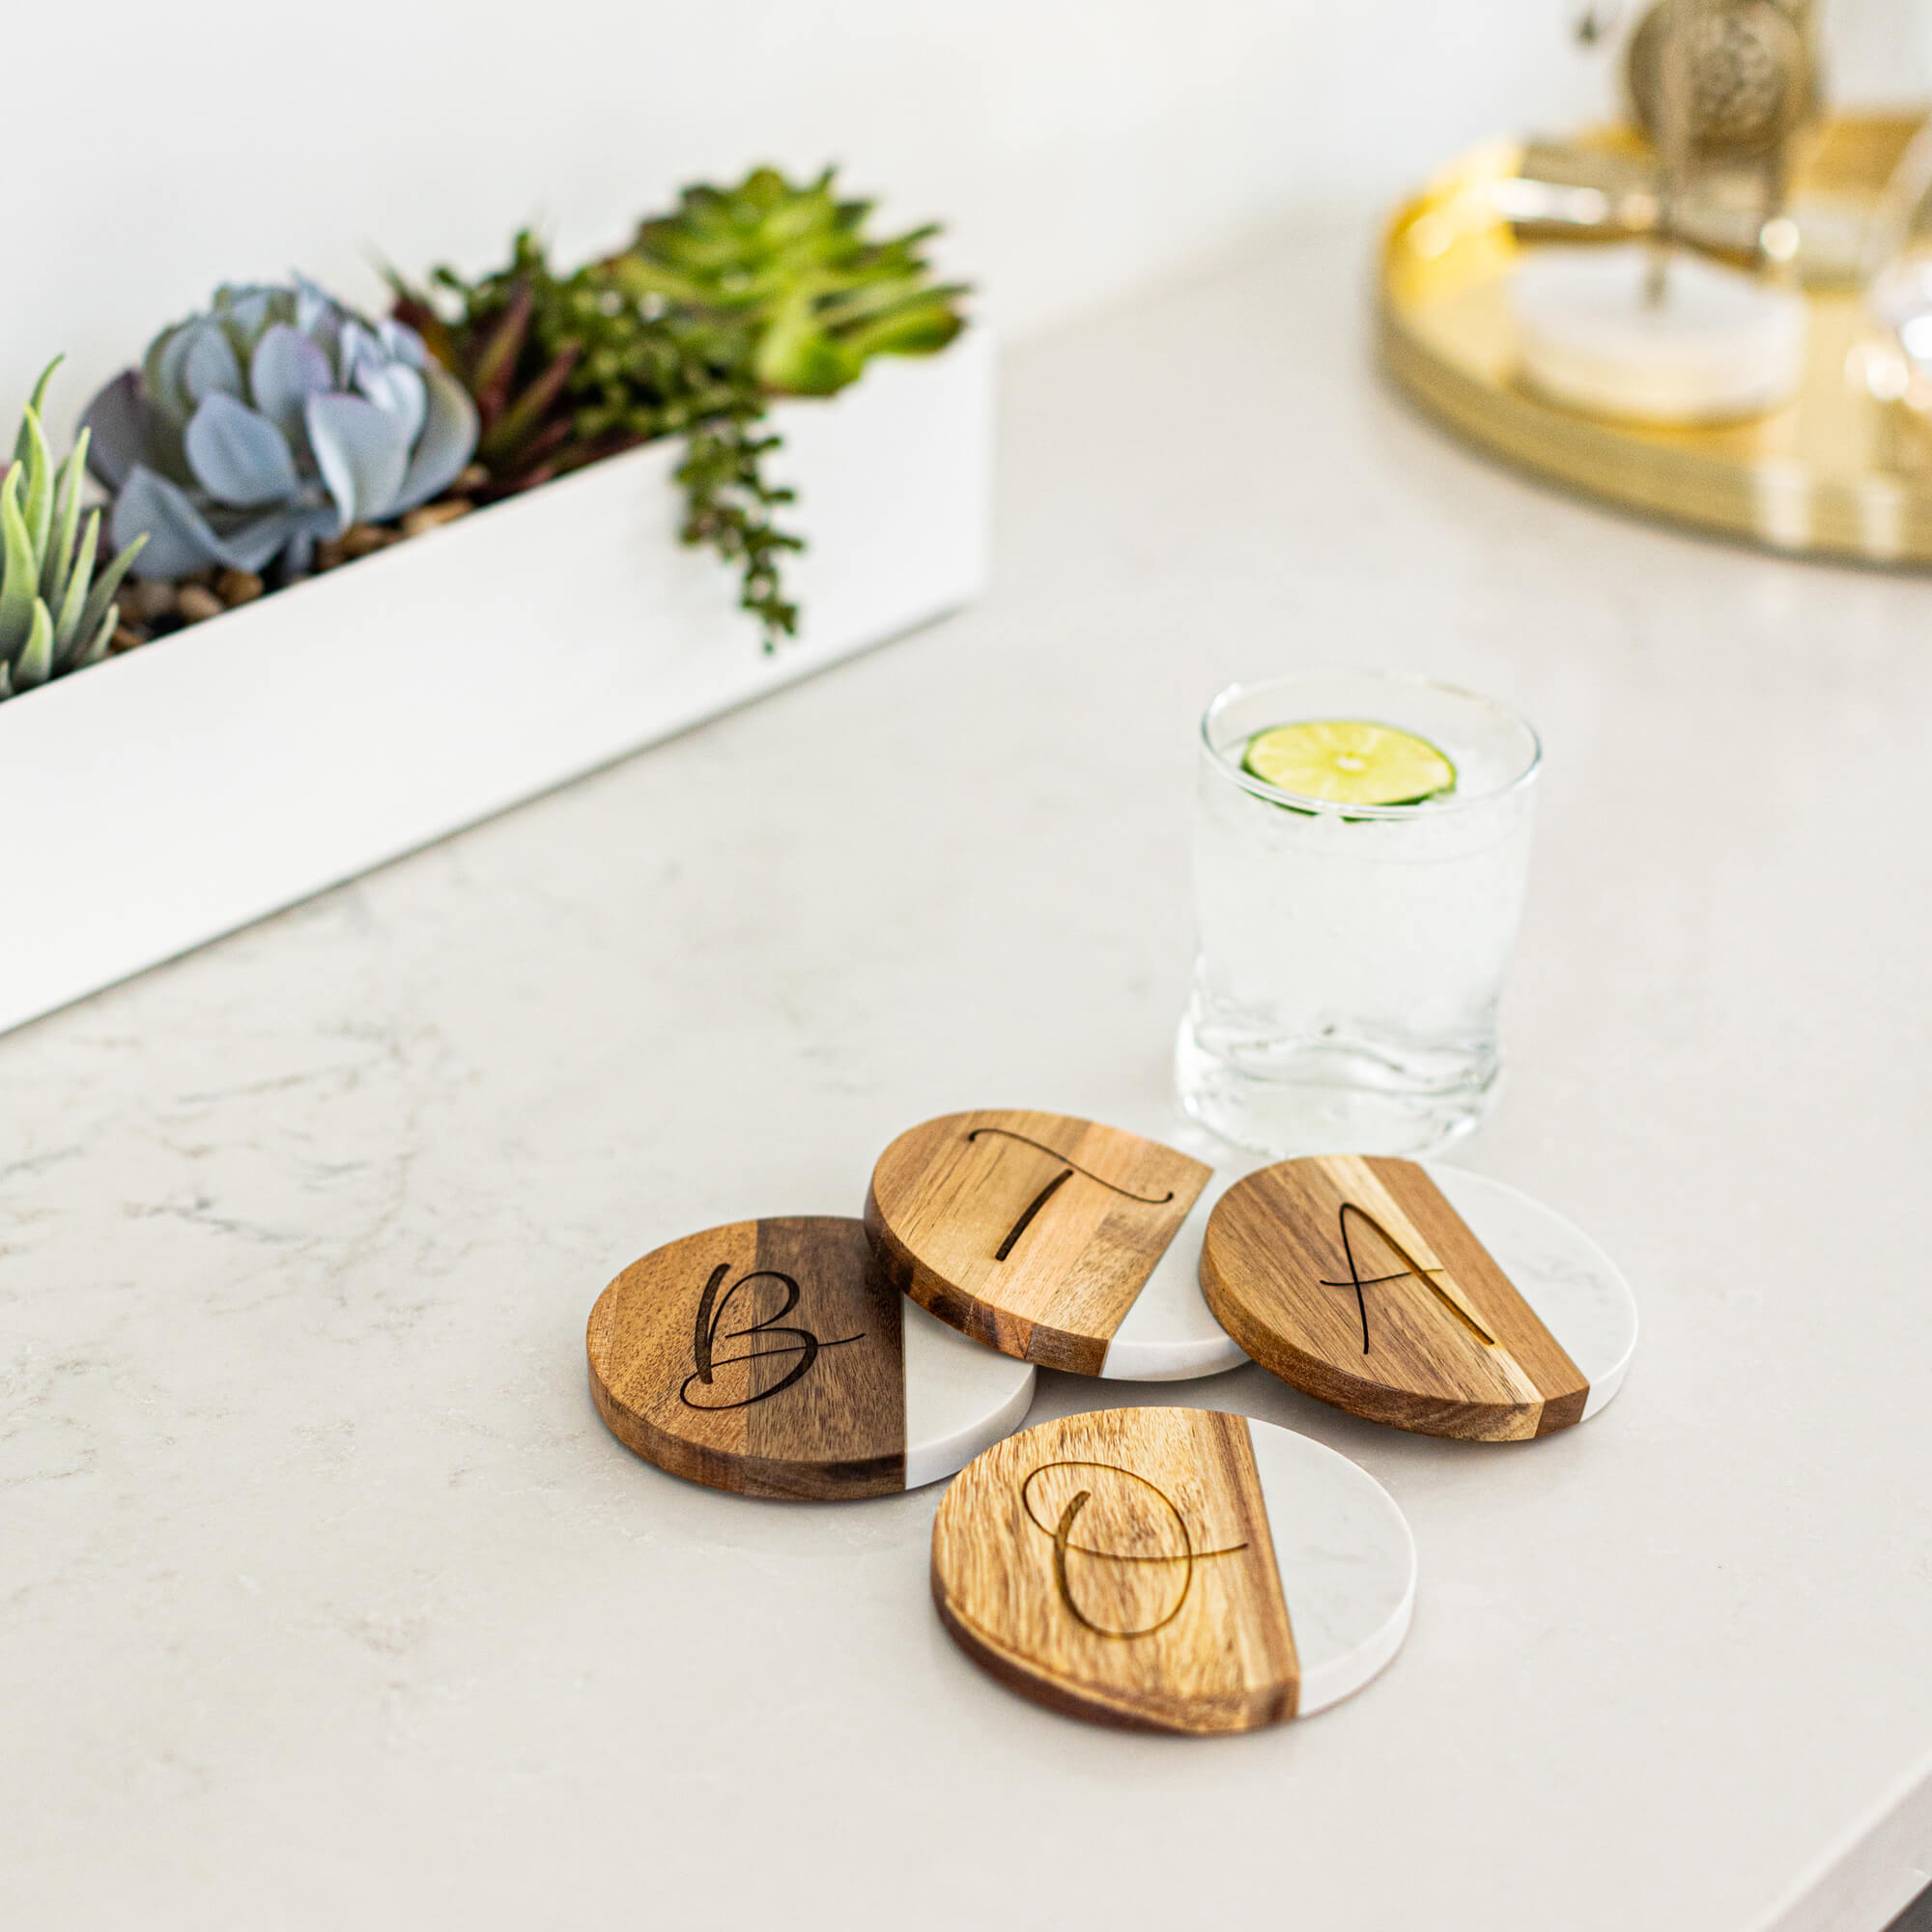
[326,1600]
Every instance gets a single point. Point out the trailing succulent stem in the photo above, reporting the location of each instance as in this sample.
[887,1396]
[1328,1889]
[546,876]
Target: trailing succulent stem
[729,506]
[743,294]
[56,614]
[567,369]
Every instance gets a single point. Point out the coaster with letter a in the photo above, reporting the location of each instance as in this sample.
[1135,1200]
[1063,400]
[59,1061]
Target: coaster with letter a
[774,1358]
[1053,1238]
[1172,1570]
[1427,1298]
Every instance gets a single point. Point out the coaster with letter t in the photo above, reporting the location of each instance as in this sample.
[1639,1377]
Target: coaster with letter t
[774,1358]
[1052,1238]
[1172,1570]
[1427,1298]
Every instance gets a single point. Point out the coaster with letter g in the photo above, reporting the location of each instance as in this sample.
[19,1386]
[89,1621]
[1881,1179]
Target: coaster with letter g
[1427,1298]
[774,1358]
[1172,1570]
[1055,1239]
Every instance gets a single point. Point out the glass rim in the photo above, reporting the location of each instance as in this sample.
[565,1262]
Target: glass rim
[1435,807]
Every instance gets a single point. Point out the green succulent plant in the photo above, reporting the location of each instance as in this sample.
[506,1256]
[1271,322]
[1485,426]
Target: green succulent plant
[525,434]
[566,369]
[55,614]
[742,294]
[795,262]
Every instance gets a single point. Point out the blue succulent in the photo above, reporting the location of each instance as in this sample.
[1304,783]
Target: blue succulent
[278,418]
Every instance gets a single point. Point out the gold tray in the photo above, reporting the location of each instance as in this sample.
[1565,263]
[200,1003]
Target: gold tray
[1833,473]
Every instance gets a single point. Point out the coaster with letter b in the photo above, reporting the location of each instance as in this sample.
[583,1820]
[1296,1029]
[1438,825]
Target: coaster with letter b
[1427,1298]
[1172,1570]
[1052,1238]
[774,1358]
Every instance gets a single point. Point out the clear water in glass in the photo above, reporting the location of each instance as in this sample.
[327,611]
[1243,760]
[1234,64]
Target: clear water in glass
[1352,958]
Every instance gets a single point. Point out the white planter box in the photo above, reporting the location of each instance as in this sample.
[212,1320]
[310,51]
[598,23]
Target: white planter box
[166,797]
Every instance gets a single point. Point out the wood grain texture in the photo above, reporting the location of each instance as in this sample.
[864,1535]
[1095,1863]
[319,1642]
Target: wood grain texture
[1117,1566]
[1451,1346]
[703,1362]
[1030,1232]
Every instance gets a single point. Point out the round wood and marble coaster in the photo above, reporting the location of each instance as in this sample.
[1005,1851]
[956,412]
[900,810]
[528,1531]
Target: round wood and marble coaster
[774,1358]
[1055,1239]
[1427,1298]
[1173,1569]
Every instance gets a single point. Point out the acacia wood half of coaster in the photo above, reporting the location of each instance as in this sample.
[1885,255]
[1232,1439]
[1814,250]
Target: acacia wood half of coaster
[1173,1569]
[775,1359]
[1032,1233]
[1355,1279]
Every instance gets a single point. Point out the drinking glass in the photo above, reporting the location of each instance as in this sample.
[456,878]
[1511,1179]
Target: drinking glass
[1351,958]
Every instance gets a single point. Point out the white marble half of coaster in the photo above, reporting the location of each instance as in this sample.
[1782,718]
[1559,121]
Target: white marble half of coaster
[959,1398]
[1346,1561]
[1579,1294]
[1170,1334]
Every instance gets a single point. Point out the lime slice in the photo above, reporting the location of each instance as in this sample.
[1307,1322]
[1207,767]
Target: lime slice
[1348,761]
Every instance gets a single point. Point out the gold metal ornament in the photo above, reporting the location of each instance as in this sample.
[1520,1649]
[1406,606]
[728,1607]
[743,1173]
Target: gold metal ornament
[1751,80]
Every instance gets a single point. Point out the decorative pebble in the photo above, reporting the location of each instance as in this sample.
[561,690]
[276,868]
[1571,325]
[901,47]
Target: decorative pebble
[433,516]
[238,586]
[195,602]
[126,639]
[365,539]
[152,598]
